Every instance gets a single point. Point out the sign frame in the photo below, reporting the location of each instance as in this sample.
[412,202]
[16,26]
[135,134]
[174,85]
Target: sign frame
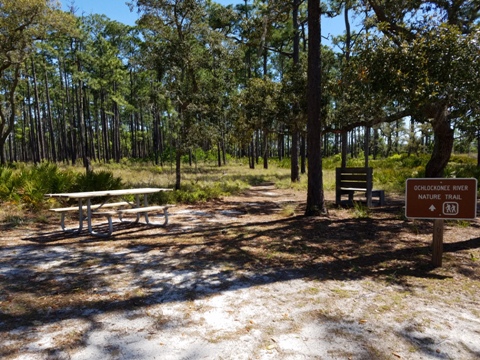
[446,203]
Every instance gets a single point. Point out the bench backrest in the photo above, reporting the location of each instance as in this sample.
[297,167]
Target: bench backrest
[359,178]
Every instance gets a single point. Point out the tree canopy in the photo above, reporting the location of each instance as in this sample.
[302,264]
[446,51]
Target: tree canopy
[233,81]
[22,24]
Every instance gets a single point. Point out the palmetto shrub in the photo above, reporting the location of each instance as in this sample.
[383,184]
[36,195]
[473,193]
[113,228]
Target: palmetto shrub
[96,181]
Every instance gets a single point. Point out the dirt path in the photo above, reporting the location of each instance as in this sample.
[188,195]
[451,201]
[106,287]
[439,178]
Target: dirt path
[243,278]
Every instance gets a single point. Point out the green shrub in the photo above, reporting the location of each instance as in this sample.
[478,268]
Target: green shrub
[44,178]
[96,181]
[8,185]
[195,192]
[285,163]
[413,161]
[163,197]
[332,162]
[463,159]
[47,177]
[32,194]
[468,171]
[200,156]
[27,185]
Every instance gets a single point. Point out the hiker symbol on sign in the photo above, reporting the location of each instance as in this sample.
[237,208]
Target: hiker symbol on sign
[450,208]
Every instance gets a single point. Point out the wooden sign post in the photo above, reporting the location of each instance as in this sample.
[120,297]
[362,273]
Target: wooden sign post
[440,199]
[437,244]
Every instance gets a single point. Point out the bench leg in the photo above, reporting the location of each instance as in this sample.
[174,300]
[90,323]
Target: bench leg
[137,218]
[75,231]
[62,222]
[80,220]
[381,196]
[137,215]
[350,197]
[165,212]
[110,228]
[165,223]
[110,225]
[147,219]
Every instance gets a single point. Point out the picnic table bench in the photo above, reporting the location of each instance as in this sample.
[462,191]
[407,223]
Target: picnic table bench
[350,180]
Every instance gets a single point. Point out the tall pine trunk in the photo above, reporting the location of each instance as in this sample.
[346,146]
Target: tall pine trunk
[81,121]
[315,195]
[478,148]
[265,149]
[303,154]
[31,134]
[116,128]
[103,118]
[50,120]
[294,174]
[40,138]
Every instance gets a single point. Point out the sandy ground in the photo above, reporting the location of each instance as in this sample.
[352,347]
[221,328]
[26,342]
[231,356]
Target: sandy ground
[158,294]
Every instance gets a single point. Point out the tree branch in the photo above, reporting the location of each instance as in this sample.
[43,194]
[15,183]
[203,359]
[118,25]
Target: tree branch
[386,119]
[393,29]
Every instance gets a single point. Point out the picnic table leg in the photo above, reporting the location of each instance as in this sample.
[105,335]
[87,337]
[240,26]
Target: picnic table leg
[89,215]
[145,203]
[165,212]
[89,221]
[137,204]
[80,215]
[80,220]
[62,222]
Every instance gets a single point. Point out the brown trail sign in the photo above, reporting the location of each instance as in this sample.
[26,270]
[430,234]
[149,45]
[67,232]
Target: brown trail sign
[440,199]
[435,198]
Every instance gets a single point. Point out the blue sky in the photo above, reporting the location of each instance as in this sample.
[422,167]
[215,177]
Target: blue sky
[118,10]
[115,9]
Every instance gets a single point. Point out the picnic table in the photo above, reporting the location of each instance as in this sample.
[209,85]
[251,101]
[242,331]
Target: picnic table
[109,209]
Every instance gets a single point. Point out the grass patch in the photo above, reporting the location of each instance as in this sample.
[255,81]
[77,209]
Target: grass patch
[360,211]
[288,210]
[344,293]
[312,291]
[14,220]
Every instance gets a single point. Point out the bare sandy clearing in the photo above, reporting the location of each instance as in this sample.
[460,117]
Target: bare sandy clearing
[239,280]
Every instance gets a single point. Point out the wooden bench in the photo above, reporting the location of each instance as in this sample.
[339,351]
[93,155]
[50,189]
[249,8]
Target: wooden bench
[65,210]
[350,180]
[137,211]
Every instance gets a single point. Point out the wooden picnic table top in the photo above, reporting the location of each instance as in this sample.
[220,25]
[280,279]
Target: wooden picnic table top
[120,192]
